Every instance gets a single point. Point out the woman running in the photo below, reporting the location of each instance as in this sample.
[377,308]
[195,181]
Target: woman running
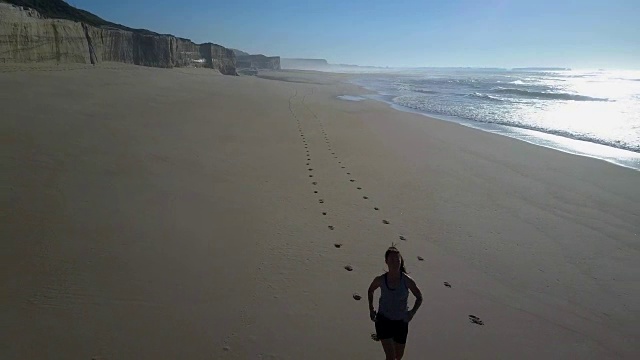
[393,316]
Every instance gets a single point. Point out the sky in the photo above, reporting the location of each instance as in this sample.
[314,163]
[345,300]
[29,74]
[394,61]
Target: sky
[580,34]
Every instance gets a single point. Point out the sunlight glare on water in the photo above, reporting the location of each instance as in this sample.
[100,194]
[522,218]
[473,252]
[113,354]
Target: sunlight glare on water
[598,107]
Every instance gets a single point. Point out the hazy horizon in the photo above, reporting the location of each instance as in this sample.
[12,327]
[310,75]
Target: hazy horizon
[463,33]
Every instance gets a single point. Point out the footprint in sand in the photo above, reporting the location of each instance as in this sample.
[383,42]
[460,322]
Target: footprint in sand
[375,208]
[475,320]
[447,284]
[315,183]
[315,191]
[359,188]
[385,222]
[374,337]
[310,169]
[308,163]
[330,227]
[324,213]
[348,268]
[420,258]
[321,201]
[348,173]
[403,238]
[352,180]
[337,245]
[310,175]
[357,297]
[342,167]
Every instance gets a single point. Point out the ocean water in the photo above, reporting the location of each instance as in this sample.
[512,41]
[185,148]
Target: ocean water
[591,113]
[351,98]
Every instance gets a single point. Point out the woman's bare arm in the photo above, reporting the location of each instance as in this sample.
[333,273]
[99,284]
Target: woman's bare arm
[372,288]
[411,284]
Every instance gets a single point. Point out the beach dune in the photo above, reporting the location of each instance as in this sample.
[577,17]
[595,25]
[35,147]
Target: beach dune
[176,213]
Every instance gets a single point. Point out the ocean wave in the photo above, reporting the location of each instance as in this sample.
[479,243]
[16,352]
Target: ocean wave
[436,82]
[541,102]
[472,113]
[485,96]
[546,95]
[619,144]
[426,91]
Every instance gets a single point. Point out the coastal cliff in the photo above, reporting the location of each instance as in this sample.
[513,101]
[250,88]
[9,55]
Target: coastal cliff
[26,36]
[258,61]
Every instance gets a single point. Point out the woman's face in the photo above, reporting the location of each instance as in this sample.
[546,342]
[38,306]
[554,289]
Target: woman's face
[393,261]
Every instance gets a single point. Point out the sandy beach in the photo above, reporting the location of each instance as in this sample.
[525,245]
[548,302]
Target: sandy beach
[181,214]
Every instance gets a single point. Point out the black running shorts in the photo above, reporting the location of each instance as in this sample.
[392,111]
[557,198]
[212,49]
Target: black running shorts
[391,329]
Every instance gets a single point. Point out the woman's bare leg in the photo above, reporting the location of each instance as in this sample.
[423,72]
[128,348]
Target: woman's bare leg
[399,350]
[389,348]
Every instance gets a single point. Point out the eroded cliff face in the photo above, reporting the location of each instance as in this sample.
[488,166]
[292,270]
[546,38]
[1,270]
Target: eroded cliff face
[219,58]
[124,46]
[25,36]
[186,53]
[258,62]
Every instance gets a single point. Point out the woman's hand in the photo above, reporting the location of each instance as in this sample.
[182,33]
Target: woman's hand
[410,315]
[373,314]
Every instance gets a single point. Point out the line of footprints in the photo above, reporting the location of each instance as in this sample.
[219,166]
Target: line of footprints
[472,318]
